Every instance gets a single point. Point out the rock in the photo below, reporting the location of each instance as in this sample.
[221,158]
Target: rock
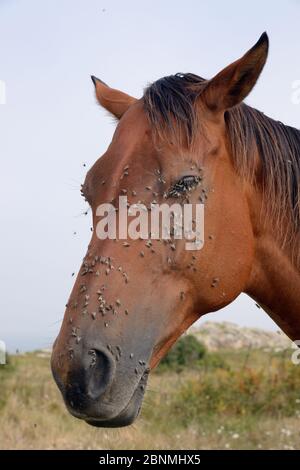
[227,335]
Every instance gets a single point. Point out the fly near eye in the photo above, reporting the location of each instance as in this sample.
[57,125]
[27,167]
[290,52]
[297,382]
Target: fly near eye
[82,192]
[183,186]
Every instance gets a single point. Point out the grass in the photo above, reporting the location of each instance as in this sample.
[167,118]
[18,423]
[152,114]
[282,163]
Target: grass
[247,400]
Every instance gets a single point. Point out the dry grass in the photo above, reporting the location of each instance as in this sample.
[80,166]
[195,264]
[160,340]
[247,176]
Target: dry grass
[253,403]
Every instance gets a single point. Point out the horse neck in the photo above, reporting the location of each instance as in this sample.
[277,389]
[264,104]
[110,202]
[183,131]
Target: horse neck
[275,280]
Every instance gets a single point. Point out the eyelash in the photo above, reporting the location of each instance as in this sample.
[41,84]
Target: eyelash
[183,186]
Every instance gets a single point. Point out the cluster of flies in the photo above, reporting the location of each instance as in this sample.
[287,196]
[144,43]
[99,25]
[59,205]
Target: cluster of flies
[104,264]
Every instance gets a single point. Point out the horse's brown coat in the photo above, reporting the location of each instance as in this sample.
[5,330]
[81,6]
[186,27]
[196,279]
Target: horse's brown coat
[135,300]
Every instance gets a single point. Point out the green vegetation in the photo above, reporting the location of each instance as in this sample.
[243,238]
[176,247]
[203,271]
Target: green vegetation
[186,352]
[189,352]
[196,399]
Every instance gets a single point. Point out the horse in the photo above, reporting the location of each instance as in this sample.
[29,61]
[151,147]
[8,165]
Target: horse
[132,300]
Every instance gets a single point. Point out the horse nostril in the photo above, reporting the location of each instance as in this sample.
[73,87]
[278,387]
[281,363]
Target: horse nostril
[91,375]
[99,373]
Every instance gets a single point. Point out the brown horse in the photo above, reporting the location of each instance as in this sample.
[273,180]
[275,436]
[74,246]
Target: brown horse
[132,300]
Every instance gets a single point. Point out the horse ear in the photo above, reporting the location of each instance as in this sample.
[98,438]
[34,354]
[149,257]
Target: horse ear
[230,86]
[114,101]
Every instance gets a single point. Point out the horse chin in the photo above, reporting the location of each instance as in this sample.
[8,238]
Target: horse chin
[127,416]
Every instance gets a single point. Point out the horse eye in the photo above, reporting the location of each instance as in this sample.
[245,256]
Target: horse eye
[183,186]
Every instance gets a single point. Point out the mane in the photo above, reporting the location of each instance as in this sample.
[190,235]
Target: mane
[170,106]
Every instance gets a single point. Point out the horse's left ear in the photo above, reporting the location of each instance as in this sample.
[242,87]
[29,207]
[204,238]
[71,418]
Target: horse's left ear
[230,86]
[114,101]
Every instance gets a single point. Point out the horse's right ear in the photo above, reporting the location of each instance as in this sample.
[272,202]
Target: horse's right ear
[230,86]
[114,101]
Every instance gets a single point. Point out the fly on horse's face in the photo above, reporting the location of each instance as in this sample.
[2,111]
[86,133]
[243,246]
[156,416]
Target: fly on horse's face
[132,300]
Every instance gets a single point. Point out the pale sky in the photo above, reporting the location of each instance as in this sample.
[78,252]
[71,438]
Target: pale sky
[50,125]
